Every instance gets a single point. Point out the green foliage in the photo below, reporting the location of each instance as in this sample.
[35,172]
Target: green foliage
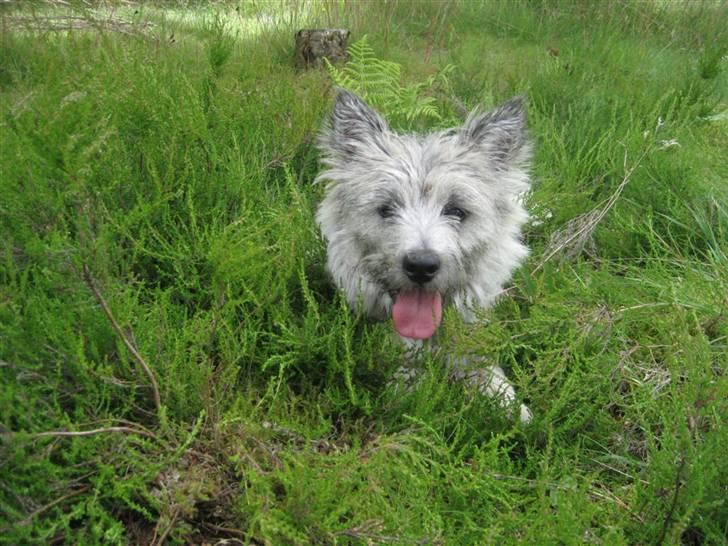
[379,82]
[175,162]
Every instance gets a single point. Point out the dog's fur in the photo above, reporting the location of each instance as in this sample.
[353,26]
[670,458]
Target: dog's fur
[448,202]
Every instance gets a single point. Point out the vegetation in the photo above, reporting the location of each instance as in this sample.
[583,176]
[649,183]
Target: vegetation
[175,366]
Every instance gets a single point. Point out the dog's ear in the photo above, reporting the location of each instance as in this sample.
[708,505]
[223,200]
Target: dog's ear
[352,127]
[501,134]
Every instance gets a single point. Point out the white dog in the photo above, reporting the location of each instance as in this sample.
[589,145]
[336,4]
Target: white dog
[416,223]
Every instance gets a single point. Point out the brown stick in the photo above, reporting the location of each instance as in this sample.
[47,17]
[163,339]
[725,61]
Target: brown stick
[590,226]
[159,541]
[48,506]
[70,22]
[129,345]
[673,505]
[228,530]
[130,430]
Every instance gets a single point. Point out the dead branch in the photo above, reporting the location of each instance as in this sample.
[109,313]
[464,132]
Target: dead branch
[47,507]
[226,530]
[160,540]
[369,530]
[576,233]
[129,430]
[676,491]
[125,339]
[70,22]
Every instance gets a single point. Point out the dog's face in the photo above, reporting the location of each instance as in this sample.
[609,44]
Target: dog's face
[414,223]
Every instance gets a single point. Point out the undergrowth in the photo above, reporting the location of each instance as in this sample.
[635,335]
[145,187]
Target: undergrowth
[176,367]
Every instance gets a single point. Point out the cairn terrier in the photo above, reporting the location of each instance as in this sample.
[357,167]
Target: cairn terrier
[415,223]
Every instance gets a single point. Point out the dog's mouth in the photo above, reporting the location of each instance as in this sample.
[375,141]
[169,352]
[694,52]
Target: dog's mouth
[417,313]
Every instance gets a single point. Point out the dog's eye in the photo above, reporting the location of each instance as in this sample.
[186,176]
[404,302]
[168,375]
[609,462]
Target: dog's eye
[386,211]
[454,211]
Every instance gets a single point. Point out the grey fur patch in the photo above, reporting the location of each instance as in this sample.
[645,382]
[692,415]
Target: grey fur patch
[500,133]
[352,124]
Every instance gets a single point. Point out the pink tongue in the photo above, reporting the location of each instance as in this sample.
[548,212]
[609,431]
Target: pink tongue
[417,314]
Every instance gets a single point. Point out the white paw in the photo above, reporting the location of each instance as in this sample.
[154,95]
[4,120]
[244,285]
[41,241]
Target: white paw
[526,415]
[491,381]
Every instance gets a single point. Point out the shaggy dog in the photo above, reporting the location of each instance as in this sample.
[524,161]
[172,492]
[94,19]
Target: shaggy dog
[415,223]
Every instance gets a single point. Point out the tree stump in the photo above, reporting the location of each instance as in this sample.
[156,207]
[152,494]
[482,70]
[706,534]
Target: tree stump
[312,45]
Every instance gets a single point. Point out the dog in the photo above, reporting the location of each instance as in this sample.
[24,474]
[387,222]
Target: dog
[416,223]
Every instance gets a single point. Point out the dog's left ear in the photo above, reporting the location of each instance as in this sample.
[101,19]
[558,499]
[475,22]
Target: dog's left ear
[352,128]
[501,134]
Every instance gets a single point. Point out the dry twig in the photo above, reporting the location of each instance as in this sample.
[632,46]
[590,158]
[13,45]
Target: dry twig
[74,22]
[130,430]
[46,507]
[369,531]
[158,541]
[127,342]
[575,234]
[673,505]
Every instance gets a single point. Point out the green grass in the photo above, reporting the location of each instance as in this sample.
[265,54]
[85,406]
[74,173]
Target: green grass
[175,162]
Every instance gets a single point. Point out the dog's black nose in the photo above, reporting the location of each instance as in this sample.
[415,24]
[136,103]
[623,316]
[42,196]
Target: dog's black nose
[421,266]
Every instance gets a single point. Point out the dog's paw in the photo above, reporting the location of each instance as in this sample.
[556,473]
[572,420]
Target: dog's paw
[526,415]
[512,408]
[491,381]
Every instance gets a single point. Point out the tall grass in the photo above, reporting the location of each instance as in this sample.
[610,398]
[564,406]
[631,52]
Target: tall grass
[166,172]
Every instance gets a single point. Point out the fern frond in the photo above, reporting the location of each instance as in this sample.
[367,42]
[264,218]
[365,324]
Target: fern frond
[379,82]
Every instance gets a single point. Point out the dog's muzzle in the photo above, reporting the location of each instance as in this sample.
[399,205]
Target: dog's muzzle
[421,266]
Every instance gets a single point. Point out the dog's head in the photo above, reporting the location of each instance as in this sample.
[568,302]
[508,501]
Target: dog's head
[417,222]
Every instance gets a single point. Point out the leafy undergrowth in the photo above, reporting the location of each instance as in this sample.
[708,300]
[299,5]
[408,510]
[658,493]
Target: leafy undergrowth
[176,367]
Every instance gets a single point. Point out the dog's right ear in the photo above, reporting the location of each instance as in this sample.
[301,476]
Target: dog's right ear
[353,127]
